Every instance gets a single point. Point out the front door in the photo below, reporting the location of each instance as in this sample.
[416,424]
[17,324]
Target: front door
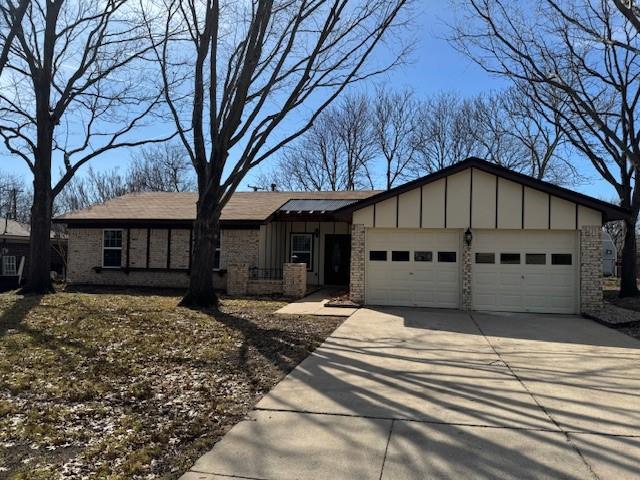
[337,259]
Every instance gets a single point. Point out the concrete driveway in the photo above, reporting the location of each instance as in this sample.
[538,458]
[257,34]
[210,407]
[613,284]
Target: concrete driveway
[399,394]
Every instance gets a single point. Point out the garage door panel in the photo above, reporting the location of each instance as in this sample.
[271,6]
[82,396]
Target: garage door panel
[429,284]
[524,287]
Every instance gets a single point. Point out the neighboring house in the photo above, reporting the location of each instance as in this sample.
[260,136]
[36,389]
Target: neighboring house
[609,255]
[14,253]
[474,235]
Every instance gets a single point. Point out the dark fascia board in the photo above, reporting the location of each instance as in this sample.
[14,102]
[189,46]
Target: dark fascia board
[311,217]
[154,223]
[610,211]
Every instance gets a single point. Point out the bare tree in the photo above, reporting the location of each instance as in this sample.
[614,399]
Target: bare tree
[395,125]
[161,168]
[240,70]
[11,16]
[445,133]
[14,198]
[583,55]
[74,87]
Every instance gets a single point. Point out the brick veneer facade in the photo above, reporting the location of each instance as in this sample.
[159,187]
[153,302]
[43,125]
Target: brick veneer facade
[590,268]
[85,254]
[467,271]
[294,280]
[356,284]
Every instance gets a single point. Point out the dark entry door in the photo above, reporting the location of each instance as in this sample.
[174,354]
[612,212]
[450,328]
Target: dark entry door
[337,259]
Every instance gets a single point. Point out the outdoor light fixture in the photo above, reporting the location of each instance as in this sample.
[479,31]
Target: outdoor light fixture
[468,237]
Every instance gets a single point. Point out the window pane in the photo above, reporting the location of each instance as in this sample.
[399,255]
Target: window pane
[561,259]
[301,243]
[113,238]
[378,255]
[301,257]
[485,258]
[112,258]
[9,266]
[536,259]
[447,257]
[422,256]
[399,256]
[216,259]
[510,258]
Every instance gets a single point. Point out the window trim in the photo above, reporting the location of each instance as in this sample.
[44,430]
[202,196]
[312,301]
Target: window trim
[121,247]
[311,253]
[15,266]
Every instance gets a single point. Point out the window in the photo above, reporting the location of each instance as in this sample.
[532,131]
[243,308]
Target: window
[560,259]
[422,256]
[378,255]
[447,257]
[9,266]
[535,259]
[112,249]
[485,258]
[400,256]
[302,249]
[510,258]
[216,255]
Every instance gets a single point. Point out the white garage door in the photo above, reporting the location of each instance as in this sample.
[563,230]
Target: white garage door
[525,271]
[413,268]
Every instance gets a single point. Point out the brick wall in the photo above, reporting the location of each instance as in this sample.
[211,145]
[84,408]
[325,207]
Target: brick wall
[294,280]
[590,268]
[356,286]
[467,271]
[239,246]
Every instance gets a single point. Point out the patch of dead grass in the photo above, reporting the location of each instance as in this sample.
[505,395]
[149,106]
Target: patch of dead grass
[128,385]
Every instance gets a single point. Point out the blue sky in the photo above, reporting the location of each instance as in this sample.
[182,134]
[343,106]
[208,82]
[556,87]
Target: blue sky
[434,67]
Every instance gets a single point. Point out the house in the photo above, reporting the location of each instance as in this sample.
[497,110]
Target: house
[474,236]
[14,253]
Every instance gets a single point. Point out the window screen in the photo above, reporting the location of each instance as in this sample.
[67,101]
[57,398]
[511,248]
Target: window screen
[112,249]
[302,249]
[9,266]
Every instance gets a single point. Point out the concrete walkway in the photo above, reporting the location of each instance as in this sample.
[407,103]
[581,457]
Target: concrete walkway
[425,394]
[314,304]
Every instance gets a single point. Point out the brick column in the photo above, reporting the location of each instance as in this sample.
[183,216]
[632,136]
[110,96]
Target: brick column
[237,279]
[590,268]
[467,290]
[294,280]
[356,286]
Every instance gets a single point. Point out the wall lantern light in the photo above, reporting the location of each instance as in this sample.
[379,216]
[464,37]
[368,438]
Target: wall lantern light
[468,237]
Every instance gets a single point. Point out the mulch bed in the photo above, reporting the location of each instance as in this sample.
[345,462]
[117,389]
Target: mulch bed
[127,385]
[341,300]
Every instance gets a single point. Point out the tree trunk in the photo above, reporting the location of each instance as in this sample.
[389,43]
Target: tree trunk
[39,276]
[206,231]
[628,285]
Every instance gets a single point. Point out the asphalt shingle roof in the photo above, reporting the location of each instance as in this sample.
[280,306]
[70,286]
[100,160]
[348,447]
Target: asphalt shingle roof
[243,206]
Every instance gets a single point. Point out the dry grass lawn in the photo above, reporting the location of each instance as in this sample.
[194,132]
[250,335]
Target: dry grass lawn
[126,385]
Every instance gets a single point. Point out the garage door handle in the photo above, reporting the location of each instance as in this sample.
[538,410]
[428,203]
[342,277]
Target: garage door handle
[410,273]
